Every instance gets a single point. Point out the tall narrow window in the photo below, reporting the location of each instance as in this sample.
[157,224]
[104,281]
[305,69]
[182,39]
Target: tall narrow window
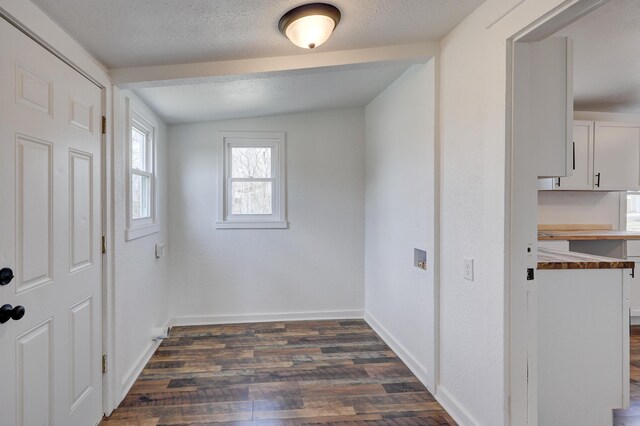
[252,174]
[141,185]
[633,211]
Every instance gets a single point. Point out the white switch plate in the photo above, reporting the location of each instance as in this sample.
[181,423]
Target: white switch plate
[467,269]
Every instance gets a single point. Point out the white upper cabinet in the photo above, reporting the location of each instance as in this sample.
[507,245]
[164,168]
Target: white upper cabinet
[606,157]
[550,114]
[617,156]
[581,159]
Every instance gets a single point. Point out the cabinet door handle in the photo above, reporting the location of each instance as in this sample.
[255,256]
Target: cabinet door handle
[558,183]
[574,155]
[598,181]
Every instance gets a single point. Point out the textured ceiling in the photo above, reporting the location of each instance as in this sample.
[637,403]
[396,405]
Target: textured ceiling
[280,93]
[127,33]
[607,58]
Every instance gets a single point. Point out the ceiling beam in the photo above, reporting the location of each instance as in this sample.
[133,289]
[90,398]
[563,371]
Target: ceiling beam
[180,74]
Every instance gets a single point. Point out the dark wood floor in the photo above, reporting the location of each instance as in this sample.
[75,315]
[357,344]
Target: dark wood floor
[631,416]
[285,373]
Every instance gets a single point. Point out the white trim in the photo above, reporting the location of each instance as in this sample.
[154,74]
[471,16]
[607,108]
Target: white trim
[416,367]
[520,347]
[130,378]
[137,228]
[252,225]
[132,375]
[454,408]
[248,318]
[276,141]
[141,231]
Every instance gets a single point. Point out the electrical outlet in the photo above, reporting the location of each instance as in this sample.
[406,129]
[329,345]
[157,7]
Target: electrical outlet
[467,269]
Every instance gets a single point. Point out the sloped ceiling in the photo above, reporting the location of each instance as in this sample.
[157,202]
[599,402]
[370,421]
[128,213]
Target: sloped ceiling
[607,58]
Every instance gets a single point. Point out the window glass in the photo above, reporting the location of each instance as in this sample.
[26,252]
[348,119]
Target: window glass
[251,198]
[140,196]
[251,162]
[633,211]
[138,150]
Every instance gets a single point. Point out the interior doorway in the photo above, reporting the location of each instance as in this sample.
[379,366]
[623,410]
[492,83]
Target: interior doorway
[521,233]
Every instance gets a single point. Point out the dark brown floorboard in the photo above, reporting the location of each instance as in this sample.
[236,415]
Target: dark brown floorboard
[278,374]
[631,416]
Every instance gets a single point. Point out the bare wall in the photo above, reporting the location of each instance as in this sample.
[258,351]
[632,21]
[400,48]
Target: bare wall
[141,280]
[315,268]
[474,368]
[400,207]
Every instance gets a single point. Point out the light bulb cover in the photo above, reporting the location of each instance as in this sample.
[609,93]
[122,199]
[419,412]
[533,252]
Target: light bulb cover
[309,25]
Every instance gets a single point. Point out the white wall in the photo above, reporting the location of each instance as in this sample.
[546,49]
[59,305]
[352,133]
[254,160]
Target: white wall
[566,207]
[141,280]
[313,269]
[473,109]
[400,204]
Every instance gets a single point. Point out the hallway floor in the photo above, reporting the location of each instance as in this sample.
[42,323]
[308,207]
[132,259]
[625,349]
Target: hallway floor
[631,416]
[284,373]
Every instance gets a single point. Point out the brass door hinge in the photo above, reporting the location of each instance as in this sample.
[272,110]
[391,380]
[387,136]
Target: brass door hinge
[104,244]
[104,125]
[104,364]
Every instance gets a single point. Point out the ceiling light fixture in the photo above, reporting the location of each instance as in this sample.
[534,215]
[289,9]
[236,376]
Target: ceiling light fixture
[309,25]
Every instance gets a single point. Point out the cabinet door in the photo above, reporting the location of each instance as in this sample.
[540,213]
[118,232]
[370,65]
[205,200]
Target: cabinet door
[634,288]
[549,89]
[581,159]
[617,156]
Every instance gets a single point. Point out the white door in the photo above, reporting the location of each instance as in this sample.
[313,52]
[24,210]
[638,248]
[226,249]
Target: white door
[617,156]
[50,137]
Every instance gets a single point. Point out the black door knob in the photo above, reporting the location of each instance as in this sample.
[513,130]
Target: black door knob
[8,312]
[17,313]
[6,275]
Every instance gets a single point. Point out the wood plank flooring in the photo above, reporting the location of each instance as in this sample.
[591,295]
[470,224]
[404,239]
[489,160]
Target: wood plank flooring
[631,416]
[283,373]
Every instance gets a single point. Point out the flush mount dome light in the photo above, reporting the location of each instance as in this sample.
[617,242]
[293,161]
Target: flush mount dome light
[309,25]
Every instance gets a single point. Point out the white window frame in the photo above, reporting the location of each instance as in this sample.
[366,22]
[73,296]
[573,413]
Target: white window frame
[277,142]
[138,228]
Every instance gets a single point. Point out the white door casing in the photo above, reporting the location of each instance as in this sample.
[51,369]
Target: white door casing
[50,227]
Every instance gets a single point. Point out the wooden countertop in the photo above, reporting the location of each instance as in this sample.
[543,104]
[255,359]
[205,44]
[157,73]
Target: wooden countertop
[558,259]
[583,232]
[587,235]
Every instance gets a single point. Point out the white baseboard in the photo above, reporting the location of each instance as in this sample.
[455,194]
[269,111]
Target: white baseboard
[448,402]
[454,408]
[132,375]
[635,316]
[416,367]
[239,319]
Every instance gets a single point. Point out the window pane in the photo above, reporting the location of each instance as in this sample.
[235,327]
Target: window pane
[140,196]
[251,198]
[251,162]
[138,150]
[633,211]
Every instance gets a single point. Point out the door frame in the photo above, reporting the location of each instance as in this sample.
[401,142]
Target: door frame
[38,27]
[521,225]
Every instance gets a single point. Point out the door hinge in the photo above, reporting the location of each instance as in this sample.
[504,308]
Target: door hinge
[104,125]
[104,364]
[104,244]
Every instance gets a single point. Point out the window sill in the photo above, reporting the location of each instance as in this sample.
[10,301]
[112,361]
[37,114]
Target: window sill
[252,225]
[142,231]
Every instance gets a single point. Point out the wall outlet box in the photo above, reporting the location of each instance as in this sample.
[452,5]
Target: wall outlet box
[467,268]
[420,259]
